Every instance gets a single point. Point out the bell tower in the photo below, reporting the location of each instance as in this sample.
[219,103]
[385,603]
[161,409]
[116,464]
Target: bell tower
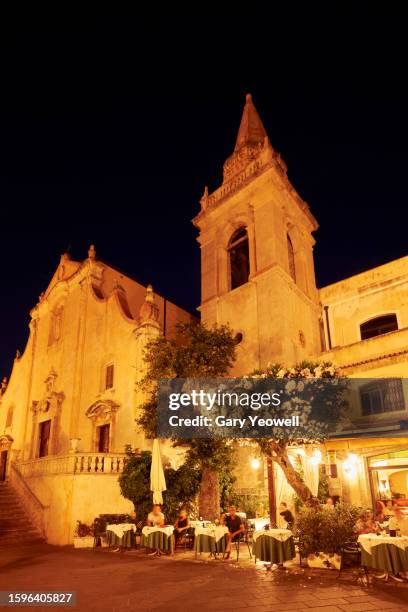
[257,271]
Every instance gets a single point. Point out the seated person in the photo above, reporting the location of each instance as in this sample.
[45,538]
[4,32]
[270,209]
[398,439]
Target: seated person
[286,515]
[329,503]
[182,524]
[389,509]
[155,518]
[366,523]
[399,522]
[235,528]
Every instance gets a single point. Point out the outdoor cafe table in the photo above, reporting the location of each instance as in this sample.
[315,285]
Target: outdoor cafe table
[120,535]
[160,538]
[273,545]
[383,552]
[210,539]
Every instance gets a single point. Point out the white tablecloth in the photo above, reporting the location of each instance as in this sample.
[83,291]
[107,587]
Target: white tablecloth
[213,532]
[259,523]
[368,540]
[121,528]
[168,530]
[199,523]
[278,534]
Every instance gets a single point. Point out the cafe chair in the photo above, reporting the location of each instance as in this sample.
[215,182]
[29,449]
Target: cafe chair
[138,532]
[242,538]
[99,531]
[350,556]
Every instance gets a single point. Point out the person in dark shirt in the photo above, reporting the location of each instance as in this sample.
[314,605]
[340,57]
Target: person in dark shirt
[286,515]
[235,527]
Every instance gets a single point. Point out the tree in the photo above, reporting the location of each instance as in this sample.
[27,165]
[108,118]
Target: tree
[195,352]
[182,485]
[323,403]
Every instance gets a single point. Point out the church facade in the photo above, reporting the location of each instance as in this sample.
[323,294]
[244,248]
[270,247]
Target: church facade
[68,409]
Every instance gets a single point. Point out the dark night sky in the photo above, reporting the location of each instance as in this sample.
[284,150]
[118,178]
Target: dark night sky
[108,135]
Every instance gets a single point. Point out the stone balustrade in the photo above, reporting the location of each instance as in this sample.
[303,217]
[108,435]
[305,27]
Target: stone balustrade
[75,463]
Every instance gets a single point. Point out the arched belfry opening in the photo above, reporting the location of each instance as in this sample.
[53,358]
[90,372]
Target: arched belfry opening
[291,257]
[238,252]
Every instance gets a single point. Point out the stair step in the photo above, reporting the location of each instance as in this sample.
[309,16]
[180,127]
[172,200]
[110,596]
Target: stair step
[15,525]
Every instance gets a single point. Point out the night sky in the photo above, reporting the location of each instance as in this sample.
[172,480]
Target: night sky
[108,135]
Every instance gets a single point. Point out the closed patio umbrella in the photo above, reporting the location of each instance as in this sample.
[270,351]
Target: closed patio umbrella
[157,480]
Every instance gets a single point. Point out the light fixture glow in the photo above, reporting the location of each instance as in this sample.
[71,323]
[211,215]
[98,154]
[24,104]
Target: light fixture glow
[255,464]
[316,457]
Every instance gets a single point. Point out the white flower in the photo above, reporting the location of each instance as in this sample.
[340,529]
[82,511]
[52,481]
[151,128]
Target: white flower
[281,373]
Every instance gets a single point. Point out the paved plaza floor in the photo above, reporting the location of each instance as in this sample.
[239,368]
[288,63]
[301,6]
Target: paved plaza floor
[110,581]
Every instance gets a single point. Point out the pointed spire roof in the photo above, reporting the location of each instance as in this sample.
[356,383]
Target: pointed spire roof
[251,130]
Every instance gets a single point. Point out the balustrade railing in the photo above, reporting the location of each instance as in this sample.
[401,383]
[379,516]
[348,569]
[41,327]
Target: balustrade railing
[75,463]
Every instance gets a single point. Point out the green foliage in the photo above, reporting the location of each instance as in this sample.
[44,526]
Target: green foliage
[227,482]
[195,352]
[250,504]
[182,485]
[325,530]
[323,491]
[182,489]
[134,481]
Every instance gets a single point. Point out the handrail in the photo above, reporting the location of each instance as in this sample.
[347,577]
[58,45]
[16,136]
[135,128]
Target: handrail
[27,488]
[34,507]
[74,463]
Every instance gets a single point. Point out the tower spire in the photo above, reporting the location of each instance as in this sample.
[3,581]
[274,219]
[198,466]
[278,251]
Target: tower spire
[251,130]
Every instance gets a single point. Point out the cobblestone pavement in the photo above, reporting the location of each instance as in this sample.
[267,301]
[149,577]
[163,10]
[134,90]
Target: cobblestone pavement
[111,581]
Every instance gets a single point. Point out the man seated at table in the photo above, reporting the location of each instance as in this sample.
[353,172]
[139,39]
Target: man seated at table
[181,525]
[366,523]
[235,528]
[155,518]
[286,515]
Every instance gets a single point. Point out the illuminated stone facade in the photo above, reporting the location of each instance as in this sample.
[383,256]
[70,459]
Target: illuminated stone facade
[69,407]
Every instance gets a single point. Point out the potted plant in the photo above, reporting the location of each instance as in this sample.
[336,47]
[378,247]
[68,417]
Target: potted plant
[83,537]
[323,533]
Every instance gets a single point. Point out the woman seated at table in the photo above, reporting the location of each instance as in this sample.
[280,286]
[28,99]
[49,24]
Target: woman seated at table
[182,524]
[366,523]
[155,518]
[235,528]
[287,517]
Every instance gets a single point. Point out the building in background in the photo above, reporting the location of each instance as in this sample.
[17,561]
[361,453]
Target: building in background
[69,408]
[257,275]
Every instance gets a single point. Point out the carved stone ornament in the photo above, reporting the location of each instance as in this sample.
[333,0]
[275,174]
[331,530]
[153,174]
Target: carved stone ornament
[149,310]
[102,411]
[5,442]
[51,400]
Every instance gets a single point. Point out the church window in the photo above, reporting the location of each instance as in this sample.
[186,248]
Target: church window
[9,418]
[109,374]
[291,257]
[55,325]
[238,251]
[378,326]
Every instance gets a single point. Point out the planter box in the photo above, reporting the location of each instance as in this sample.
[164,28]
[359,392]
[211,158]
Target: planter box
[85,542]
[324,560]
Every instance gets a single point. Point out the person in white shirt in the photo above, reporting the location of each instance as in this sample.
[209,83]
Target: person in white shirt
[399,522]
[155,518]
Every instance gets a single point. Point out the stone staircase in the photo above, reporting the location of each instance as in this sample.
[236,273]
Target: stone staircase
[15,526]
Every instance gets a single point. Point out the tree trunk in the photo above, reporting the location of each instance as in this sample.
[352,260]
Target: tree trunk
[294,479]
[209,496]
